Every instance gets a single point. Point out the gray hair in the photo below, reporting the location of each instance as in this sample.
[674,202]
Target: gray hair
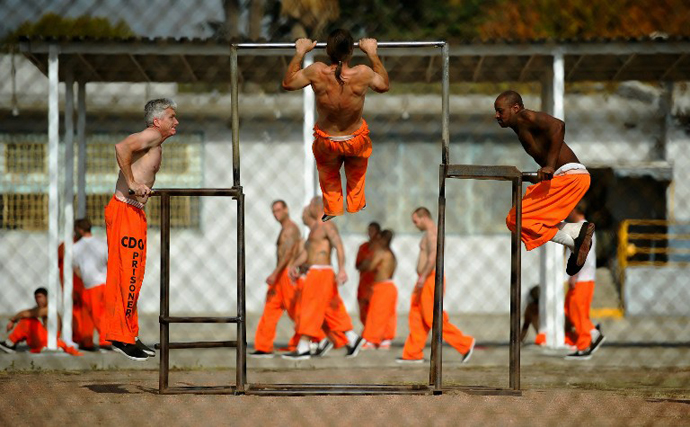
[155,108]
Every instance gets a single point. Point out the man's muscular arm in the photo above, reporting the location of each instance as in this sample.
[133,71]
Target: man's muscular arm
[296,77]
[293,266]
[27,314]
[286,251]
[430,260]
[554,129]
[125,150]
[379,81]
[337,242]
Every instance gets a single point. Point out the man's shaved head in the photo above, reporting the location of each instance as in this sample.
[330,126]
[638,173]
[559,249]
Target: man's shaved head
[511,97]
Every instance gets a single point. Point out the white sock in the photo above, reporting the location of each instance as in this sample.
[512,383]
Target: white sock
[303,345]
[571,228]
[9,343]
[351,337]
[564,239]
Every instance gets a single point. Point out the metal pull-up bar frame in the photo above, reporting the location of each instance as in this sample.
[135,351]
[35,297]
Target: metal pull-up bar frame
[494,173]
[165,319]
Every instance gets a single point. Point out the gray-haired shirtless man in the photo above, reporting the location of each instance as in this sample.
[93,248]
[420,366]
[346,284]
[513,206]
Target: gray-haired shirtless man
[139,157]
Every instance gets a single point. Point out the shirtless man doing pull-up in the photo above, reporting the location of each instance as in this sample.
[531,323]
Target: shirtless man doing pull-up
[341,135]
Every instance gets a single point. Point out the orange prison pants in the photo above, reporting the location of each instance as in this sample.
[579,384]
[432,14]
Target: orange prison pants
[366,279]
[280,297]
[545,205]
[93,310]
[384,298]
[81,321]
[421,318]
[330,156]
[292,344]
[126,229]
[35,334]
[577,303]
[322,307]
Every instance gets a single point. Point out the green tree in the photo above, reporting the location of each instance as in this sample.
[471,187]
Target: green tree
[53,25]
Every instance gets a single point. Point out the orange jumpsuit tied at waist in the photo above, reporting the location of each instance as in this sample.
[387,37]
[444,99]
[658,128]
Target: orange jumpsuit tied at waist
[421,319]
[384,299]
[321,306]
[330,153]
[547,204]
[126,230]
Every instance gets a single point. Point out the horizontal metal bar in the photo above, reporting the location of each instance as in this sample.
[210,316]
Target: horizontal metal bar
[657,236]
[200,390]
[322,45]
[339,386]
[332,392]
[201,319]
[205,192]
[198,344]
[499,173]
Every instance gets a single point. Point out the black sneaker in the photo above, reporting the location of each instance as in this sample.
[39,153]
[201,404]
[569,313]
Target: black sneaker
[466,356]
[258,354]
[594,346]
[130,351]
[9,349]
[583,243]
[408,361]
[149,352]
[295,355]
[325,217]
[579,355]
[323,347]
[353,351]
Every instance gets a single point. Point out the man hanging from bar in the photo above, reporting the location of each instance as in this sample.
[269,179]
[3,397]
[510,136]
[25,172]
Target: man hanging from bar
[340,135]
[559,185]
[139,157]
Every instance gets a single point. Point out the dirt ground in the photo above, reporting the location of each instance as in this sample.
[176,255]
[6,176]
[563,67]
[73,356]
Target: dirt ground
[582,395]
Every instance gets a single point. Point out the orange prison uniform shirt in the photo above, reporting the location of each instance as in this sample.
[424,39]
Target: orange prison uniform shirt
[36,336]
[366,278]
[321,305]
[81,321]
[126,230]
[330,155]
[547,204]
[384,298]
[421,318]
[578,300]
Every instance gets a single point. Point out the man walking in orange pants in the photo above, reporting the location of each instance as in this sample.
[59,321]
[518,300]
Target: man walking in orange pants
[578,300]
[90,263]
[281,292]
[421,309]
[341,135]
[560,183]
[366,277]
[139,157]
[384,294]
[320,302]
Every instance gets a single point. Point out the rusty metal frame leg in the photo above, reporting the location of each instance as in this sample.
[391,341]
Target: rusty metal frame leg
[436,368]
[165,295]
[515,285]
[241,354]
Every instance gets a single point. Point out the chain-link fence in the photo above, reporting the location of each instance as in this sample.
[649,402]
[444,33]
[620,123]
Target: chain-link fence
[625,104]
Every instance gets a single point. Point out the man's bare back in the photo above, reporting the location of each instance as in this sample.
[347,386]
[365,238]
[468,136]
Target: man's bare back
[384,264]
[427,247]
[339,106]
